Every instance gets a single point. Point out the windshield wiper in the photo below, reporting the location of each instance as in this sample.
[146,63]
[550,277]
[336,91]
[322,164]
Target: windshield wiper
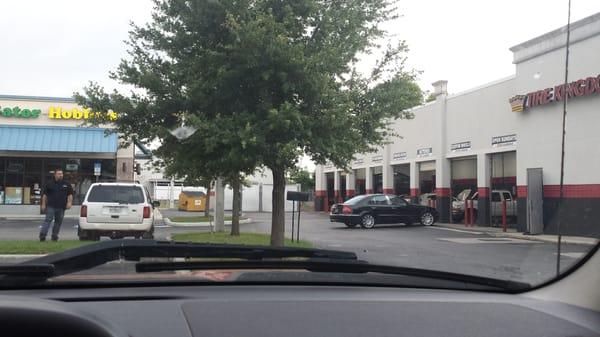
[332,266]
[93,255]
[28,270]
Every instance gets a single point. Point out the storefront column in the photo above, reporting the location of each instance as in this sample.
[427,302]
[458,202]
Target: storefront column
[125,163]
[350,184]
[442,189]
[484,167]
[414,182]
[320,189]
[368,180]
[387,172]
[336,187]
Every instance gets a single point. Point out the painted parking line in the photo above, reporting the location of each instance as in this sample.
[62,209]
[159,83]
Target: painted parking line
[573,255]
[454,230]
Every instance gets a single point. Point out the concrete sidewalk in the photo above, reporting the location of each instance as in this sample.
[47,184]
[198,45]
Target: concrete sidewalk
[512,233]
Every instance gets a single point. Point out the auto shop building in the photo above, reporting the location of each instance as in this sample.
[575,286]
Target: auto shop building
[502,135]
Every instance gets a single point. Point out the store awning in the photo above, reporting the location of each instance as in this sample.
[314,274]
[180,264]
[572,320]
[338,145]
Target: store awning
[56,139]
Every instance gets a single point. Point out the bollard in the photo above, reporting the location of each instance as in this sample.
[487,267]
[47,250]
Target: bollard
[472,213]
[504,215]
[466,212]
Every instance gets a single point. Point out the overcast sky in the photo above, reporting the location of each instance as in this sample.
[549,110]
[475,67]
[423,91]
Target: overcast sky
[53,48]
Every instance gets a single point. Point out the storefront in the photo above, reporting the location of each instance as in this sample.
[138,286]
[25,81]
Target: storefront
[505,136]
[41,134]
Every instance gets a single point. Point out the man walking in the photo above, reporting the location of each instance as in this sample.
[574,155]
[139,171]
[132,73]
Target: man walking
[56,197]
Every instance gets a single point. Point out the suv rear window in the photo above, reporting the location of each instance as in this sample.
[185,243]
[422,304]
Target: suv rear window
[117,194]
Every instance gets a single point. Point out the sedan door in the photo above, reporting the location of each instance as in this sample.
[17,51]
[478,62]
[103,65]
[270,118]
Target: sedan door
[403,211]
[380,207]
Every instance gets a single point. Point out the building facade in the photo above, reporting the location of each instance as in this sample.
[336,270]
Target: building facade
[41,134]
[503,135]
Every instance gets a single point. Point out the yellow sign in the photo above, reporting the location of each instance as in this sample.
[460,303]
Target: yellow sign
[75,113]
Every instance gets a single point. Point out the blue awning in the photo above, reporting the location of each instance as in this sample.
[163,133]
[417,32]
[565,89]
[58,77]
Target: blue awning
[56,139]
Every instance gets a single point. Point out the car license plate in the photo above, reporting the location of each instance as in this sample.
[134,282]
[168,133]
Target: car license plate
[114,210]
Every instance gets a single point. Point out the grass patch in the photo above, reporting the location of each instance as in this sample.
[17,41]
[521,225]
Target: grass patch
[198,218]
[37,247]
[244,239]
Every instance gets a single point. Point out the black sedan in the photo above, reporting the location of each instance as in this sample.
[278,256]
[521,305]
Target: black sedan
[371,209]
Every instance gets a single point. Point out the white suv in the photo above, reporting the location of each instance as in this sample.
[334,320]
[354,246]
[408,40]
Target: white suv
[116,210]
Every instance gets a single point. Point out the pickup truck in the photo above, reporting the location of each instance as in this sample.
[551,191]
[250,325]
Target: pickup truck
[458,205]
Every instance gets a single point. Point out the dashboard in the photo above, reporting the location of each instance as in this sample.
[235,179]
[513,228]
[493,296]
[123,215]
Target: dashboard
[293,310]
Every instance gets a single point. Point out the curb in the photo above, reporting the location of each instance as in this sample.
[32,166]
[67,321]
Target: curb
[521,236]
[200,224]
[21,256]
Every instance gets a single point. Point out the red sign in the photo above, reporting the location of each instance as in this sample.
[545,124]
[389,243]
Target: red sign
[583,87]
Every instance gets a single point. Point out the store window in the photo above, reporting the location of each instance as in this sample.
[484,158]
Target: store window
[22,180]
[13,192]
[32,182]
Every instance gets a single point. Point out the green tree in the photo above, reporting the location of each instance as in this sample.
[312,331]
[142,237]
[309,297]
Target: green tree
[278,74]
[302,176]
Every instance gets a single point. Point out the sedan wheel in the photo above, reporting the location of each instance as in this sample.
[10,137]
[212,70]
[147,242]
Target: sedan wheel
[427,219]
[367,221]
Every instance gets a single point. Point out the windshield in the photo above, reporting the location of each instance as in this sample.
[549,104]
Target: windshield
[457,137]
[116,194]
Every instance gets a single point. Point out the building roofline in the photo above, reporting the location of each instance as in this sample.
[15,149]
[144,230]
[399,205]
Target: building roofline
[37,98]
[556,32]
[483,86]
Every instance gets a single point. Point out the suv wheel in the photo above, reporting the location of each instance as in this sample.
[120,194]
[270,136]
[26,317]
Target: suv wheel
[149,235]
[367,221]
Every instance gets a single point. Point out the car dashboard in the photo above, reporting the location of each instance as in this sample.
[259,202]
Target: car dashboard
[286,310]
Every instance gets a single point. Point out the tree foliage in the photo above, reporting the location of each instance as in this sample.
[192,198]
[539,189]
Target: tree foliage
[263,82]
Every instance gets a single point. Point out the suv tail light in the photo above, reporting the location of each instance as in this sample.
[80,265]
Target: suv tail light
[83,211]
[346,210]
[146,212]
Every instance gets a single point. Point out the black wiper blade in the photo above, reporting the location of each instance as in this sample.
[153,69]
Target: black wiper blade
[29,270]
[332,266]
[93,255]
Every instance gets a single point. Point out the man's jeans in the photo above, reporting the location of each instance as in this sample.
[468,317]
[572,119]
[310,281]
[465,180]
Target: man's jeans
[55,214]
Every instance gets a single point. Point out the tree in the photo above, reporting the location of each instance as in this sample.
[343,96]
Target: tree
[302,176]
[278,74]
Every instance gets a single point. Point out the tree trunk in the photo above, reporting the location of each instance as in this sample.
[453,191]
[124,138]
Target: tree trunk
[237,207]
[207,210]
[278,202]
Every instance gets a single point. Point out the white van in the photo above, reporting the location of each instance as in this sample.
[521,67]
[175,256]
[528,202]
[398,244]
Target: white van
[116,210]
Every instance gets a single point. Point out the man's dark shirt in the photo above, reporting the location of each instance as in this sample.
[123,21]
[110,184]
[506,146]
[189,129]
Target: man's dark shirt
[57,193]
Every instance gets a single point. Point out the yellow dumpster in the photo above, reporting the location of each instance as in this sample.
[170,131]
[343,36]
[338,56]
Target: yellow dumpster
[192,201]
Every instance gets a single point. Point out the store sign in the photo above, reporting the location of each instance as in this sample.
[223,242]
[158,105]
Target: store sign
[504,140]
[399,156]
[359,161]
[17,112]
[459,147]
[71,167]
[377,158]
[426,152]
[579,88]
[75,113]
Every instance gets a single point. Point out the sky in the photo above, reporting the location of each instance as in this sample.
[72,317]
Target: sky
[54,48]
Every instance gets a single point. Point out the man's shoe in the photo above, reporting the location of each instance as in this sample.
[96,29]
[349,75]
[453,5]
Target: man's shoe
[42,238]
[55,238]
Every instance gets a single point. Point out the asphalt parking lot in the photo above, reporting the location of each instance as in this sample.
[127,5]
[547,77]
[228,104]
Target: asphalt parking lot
[432,247]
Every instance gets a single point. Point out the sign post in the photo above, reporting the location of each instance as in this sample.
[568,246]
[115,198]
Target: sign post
[299,197]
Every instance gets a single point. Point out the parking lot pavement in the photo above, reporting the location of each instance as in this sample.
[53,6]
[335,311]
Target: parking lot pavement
[439,248]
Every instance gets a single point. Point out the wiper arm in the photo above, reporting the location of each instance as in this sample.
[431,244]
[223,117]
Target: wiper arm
[93,255]
[332,266]
[29,270]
